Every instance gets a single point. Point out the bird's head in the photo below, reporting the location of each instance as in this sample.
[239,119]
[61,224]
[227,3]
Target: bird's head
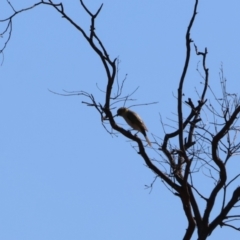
[121,111]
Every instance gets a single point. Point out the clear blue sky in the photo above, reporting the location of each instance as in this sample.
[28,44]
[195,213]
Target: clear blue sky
[62,176]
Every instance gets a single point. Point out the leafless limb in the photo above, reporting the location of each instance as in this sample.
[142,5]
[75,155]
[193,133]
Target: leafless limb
[196,144]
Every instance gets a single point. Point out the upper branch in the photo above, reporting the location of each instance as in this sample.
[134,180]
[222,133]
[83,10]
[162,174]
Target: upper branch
[188,46]
[9,21]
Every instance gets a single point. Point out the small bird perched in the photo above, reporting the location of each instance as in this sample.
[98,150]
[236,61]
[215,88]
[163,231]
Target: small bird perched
[134,121]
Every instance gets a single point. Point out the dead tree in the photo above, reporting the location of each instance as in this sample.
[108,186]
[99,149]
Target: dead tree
[197,146]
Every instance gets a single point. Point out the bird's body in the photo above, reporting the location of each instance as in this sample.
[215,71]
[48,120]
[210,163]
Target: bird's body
[134,121]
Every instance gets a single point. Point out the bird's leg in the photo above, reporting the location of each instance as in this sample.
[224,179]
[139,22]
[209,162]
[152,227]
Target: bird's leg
[136,133]
[133,130]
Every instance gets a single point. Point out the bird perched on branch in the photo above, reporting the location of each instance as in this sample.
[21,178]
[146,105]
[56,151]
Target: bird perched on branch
[134,121]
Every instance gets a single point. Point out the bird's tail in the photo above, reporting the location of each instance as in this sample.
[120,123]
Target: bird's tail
[149,143]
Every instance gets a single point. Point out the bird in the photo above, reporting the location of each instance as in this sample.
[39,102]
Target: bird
[134,121]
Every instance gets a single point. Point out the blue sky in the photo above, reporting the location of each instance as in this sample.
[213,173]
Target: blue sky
[62,175]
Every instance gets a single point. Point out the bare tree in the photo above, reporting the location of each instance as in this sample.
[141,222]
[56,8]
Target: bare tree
[203,142]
